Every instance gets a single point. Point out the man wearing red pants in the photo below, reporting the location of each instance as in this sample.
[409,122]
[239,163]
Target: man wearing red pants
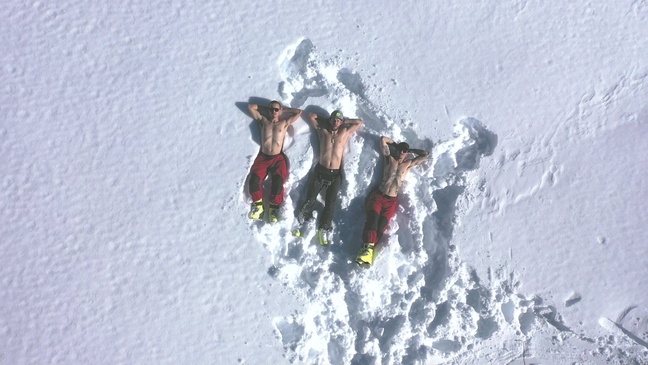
[382,201]
[271,159]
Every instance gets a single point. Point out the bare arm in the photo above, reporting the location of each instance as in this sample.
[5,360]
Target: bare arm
[295,113]
[312,119]
[422,156]
[254,110]
[384,145]
[419,152]
[353,124]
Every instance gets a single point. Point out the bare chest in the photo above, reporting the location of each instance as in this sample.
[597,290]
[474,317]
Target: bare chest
[270,128]
[395,171]
[333,138]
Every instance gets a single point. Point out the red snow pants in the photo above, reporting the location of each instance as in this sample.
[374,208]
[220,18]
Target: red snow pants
[263,165]
[380,208]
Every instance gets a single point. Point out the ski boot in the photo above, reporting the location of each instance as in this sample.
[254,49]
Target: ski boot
[273,213]
[365,256]
[324,236]
[256,212]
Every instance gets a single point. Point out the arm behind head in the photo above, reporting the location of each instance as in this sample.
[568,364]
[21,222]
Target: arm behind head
[314,120]
[354,124]
[384,145]
[423,156]
[254,110]
[295,114]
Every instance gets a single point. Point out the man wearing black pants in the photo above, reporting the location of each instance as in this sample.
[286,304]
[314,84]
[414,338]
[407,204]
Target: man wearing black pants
[323,179]
[333,134]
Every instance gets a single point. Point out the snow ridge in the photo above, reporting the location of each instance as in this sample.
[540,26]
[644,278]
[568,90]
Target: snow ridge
[419,303]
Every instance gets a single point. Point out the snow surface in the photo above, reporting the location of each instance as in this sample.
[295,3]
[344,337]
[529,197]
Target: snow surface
[125,146]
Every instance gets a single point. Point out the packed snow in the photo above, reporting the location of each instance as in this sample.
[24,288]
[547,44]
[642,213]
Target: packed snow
[126,146]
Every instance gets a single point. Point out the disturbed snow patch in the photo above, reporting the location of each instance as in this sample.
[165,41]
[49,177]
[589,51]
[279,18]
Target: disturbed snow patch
[419,302]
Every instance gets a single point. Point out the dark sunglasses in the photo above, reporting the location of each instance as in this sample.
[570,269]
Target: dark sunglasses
[275,109]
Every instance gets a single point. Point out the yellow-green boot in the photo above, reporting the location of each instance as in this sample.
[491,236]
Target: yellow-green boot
[256,212]
[324,236]
[273,213]
[365,256]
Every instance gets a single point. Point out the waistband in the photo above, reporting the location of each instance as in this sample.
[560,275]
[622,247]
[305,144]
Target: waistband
[320,168]
[378,192]
[265,155]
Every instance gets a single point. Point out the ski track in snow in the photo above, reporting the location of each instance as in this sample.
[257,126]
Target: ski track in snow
[419,303]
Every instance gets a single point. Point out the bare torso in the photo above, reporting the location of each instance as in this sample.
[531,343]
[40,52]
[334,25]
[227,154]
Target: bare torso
[332,144]
[272,135]
[394,173]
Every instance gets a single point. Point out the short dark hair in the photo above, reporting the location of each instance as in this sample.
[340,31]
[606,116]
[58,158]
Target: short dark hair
[403,147]
[274,102]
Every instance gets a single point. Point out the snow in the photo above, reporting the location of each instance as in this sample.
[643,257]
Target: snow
[125,146]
